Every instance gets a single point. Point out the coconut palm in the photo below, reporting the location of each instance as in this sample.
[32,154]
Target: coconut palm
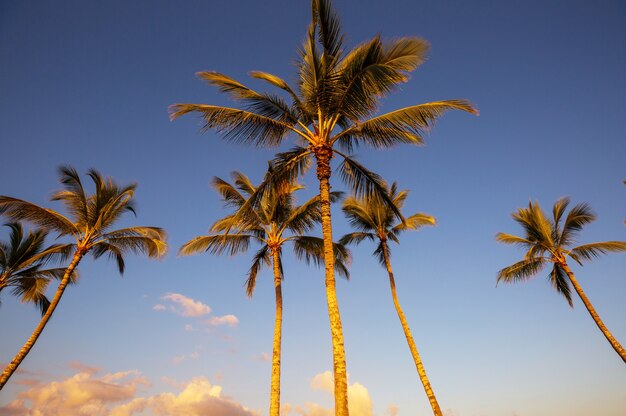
[550,241]
[330,112]
[89,224]
[375,220]
[22,259]
[274,222]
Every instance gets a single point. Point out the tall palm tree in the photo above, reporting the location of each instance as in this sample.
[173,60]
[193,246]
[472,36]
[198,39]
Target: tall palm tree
[274,222]
[375,220]
[89,224]
[550,241]
[22,259]
[332,107]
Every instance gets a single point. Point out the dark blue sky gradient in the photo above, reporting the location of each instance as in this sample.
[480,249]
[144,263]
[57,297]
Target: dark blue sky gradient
[88,84]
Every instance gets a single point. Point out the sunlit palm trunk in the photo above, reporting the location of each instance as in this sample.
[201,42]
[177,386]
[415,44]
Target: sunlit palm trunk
[339,356]
[8,372]
[614,343]
[409,337]
[275,391]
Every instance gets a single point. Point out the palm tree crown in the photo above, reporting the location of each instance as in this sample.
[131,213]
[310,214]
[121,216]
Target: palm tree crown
[275,221]
[551,240]
[22,259]
[90,225]
[376,220]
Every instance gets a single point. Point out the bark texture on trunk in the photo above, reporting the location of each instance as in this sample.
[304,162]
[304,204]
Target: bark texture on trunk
[614,343]
[8,372]
[275,390]
[409,337]
[323,157]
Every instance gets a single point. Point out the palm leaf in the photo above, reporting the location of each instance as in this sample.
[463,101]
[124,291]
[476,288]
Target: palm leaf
[593,250]
[558,280]
[522,270]
[237,125]
[260,258]
[19,210]
[311,250]
[217,244]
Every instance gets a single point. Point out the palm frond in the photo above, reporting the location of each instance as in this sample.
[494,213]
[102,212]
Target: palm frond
[356,238]
[365,183]
[229,194]
[278,82]
[217,244]
[593,250]
[261,257]
[513,239]
[557,212]
[19,210]
[311,250]
[522,270]
[578,217]
[558,280]
[329,30]
[112,251]
[73,196]
[237,125]
[406,125]
[415,222]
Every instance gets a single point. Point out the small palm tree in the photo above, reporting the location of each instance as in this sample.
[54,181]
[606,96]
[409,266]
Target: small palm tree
[268,225]
[332,108]
[375,220]
[550,241]
[21,265]
[90,225]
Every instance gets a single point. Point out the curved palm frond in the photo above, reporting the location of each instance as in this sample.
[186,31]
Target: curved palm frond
[593,250]
[311,250]
[558,280]
[217,244]
[19,210]
[522,270]
[261,257]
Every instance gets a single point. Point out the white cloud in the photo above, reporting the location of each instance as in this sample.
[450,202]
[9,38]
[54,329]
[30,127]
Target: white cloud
[184,306]
[159,307]
[116,394]
[230,320]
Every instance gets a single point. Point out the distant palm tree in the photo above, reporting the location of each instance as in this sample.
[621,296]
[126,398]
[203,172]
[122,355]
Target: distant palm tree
[89,224]
[268,224]
[549,241]
[332,108]
[376,220]
[22,259]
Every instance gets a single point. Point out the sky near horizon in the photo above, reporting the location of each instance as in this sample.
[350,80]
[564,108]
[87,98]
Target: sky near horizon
[88,84]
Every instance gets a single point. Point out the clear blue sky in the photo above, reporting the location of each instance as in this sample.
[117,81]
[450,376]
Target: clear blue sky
[89,83]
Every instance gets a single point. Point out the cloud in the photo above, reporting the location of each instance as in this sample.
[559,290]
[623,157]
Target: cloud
[264,357]
[359,400]
[80,394]
[392,410]
[116,394]
[184,306]
[159,307]
[230,320]
[180,358]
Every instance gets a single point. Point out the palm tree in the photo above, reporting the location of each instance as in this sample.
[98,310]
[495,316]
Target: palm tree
[332,108]
[21,265]
[268,225]
[550,241]
[90,222]
[375,220]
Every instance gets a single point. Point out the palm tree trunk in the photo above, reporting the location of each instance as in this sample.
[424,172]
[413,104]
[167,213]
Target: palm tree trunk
[275,390]
[8,372]
[323,157]
[614,343]
[409,337]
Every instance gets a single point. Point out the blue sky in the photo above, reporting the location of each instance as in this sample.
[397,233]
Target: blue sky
[89,83]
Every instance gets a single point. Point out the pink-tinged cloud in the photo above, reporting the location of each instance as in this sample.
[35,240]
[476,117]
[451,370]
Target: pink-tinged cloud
[230,320]
[80,394]
[359,400]
[392,410]
[84,394]
[184,306]
[264,357]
